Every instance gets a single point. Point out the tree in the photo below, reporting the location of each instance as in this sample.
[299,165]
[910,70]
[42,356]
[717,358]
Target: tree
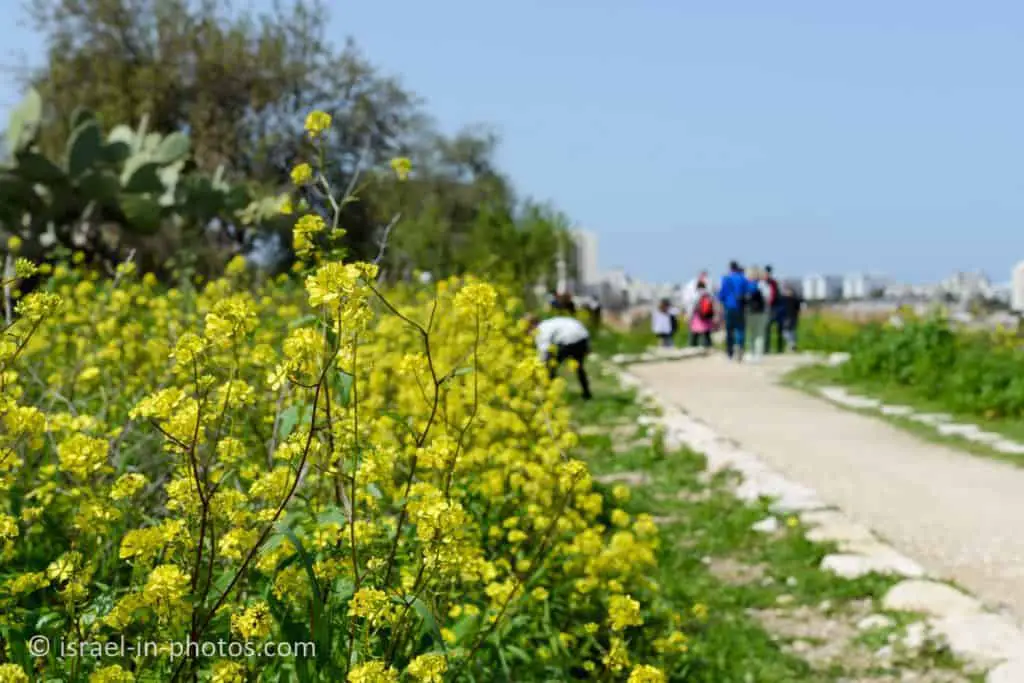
[241,84]
[463,215]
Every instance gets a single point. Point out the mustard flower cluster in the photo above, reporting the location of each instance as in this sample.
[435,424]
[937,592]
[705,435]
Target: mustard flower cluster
[388,475]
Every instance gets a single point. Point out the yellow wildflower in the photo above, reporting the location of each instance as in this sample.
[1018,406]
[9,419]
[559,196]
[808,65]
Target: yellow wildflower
[401,166]
[645,673]
[302,174]
[623,611]
[317,122]
[373,672]
[429,668]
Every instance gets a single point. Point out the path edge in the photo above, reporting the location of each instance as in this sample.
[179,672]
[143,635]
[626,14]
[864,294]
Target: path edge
[975,634]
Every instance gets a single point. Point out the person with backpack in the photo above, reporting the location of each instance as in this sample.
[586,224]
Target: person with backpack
[756,308]
[733,295]
[690,293]
[702,317]
[776,313]
[664,323]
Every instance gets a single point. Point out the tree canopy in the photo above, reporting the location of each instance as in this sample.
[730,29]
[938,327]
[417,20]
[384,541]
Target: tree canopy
[240,84]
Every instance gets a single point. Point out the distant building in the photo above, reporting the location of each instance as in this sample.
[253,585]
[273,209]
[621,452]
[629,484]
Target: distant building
[965,286]
[859,286]
[855,287]
[587,269]
[1017,288]
[822,287]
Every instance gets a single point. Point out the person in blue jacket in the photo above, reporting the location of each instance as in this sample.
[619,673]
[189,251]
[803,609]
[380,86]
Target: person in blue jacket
[733,294]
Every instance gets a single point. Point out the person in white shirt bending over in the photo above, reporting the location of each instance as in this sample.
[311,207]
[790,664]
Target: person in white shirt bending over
[569,339]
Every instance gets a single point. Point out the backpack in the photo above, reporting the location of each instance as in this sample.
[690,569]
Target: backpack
[773,291]
[705,308]
[755,301]
[675,322]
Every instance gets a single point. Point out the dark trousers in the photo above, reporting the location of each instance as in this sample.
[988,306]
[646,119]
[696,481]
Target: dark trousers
[777,324]
[735,331]
[577,352]
[700,339]
[789,332]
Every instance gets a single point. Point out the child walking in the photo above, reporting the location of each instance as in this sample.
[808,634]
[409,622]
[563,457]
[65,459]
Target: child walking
[664,323]
[702,317]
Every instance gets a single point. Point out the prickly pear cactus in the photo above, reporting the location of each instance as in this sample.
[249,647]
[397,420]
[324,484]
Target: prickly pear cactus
[132,178]
[24,122]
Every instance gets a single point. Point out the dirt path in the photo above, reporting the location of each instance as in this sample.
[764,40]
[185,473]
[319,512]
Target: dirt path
[961,517]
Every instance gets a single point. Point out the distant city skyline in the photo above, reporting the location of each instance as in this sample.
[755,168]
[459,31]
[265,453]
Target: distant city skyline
[818,137]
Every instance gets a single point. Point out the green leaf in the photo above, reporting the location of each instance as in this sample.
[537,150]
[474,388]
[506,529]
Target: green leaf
[402,420]
[272,543]
[81,115]
[344,588]
[462,371]
[15,191]
[35,168]
[144,214]
[520,653]
[223,580]
[289,418]
[343,387]
[174,147]
[506,669]
[151,142]
[141,175]
[332,515]
[122,133]
[85,148]
[100,186]
[23,123]
[466,625]
[427,615]
[48,619]
[303,321]
[116,152]
[307,564]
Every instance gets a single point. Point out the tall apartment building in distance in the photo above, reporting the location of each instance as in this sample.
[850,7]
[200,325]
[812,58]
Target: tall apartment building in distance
[589,274]
[1017,288]
[822,287]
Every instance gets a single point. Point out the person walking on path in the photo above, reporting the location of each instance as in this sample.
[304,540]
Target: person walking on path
[733,294]
[568,339]
[776,313]
[690,293]
[757,312]
[791,305]
[664,324]
[702,317]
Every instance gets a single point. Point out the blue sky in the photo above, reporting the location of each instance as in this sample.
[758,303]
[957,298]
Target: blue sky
[815,136]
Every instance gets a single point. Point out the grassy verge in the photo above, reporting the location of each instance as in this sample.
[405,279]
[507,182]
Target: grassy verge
[607,341]
[749,582]
[811,377]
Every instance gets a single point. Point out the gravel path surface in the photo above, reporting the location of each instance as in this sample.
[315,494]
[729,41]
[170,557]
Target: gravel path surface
[959,516]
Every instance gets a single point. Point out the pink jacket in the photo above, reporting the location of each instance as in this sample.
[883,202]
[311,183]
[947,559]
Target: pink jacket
[697,324]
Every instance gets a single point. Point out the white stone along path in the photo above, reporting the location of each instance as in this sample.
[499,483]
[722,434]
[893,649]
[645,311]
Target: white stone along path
[856,480]
[941,423]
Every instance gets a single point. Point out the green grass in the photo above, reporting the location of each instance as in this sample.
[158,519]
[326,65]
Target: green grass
[734,647]
[608,342]
[811,377]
